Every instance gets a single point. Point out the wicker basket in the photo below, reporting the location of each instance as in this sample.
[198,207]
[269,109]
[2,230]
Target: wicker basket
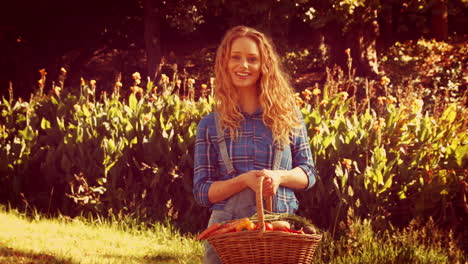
[264,247]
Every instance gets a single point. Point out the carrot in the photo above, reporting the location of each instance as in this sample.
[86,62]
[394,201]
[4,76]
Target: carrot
[227,227]
[214,227]
[223,227]
[207,231]
[224,230]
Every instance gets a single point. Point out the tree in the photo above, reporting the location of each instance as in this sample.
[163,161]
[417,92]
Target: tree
[181,15]
[152,35]
[357,24]
[55,34]
[347,24]
[439,19]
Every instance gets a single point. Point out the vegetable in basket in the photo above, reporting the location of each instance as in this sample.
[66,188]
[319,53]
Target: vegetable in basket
[281,226]
[245,224]
[218,228]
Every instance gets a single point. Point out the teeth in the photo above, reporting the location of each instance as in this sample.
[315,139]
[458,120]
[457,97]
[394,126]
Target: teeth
[242,74]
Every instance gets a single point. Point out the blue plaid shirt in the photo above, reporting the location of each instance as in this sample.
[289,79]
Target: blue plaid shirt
[253,150]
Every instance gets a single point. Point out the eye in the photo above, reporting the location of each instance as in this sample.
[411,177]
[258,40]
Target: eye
[253,59]
[235,57]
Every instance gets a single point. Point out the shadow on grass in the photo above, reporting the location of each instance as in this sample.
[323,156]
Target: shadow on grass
[10,255]
[153,259]
[165,259]
[146,259]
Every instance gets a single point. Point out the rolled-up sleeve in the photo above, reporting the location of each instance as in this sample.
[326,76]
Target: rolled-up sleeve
[302,156]
[204,160]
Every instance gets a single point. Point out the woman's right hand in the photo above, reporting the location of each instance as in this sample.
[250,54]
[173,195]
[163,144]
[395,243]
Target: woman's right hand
[250,179]
[221,190]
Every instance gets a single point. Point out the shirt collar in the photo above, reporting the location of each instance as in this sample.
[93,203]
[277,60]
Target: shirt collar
[257,113]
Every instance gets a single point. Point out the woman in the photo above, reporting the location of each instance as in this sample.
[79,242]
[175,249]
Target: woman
[260,133]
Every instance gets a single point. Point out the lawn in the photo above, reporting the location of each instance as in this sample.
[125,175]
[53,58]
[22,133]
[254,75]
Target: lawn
[36,239]
[82,241]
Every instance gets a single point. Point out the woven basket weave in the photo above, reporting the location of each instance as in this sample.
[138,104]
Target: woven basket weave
[261,247]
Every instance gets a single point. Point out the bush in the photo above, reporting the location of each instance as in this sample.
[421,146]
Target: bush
[77,153]
[385,157]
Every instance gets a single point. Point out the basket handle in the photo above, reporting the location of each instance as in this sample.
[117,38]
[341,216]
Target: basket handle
[259,203]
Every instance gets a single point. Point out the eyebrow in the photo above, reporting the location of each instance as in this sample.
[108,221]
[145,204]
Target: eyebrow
[238,52]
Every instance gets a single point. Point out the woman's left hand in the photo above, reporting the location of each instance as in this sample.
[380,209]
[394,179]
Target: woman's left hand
[271,182]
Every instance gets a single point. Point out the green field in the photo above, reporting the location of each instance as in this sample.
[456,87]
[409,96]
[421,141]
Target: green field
[73,241]
[37,239]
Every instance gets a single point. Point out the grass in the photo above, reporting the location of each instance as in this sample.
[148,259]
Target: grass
[419,243]
[121,239]
[48,241]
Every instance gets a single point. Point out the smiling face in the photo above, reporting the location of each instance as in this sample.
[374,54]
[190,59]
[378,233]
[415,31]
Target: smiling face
[244,63]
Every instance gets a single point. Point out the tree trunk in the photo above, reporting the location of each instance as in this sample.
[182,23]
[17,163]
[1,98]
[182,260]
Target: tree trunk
[386,22]
[368,49]
[152,35]
[334,40]
[439,20]
[362,39]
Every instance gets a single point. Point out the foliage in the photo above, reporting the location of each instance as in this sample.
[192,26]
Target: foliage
[132,155]
[436,69]
[301,62]
[420,242]
[184,15]
[385,157]
[412,16]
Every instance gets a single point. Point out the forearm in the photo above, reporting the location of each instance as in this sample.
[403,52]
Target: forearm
[221,190]
[295,178]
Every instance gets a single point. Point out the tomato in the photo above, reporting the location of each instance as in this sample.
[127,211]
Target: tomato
[300,231]
[268,226]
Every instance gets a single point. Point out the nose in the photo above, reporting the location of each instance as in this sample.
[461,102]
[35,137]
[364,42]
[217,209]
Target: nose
[244,63]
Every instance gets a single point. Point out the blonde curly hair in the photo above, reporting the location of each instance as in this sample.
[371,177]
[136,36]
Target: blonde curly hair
[276,93]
